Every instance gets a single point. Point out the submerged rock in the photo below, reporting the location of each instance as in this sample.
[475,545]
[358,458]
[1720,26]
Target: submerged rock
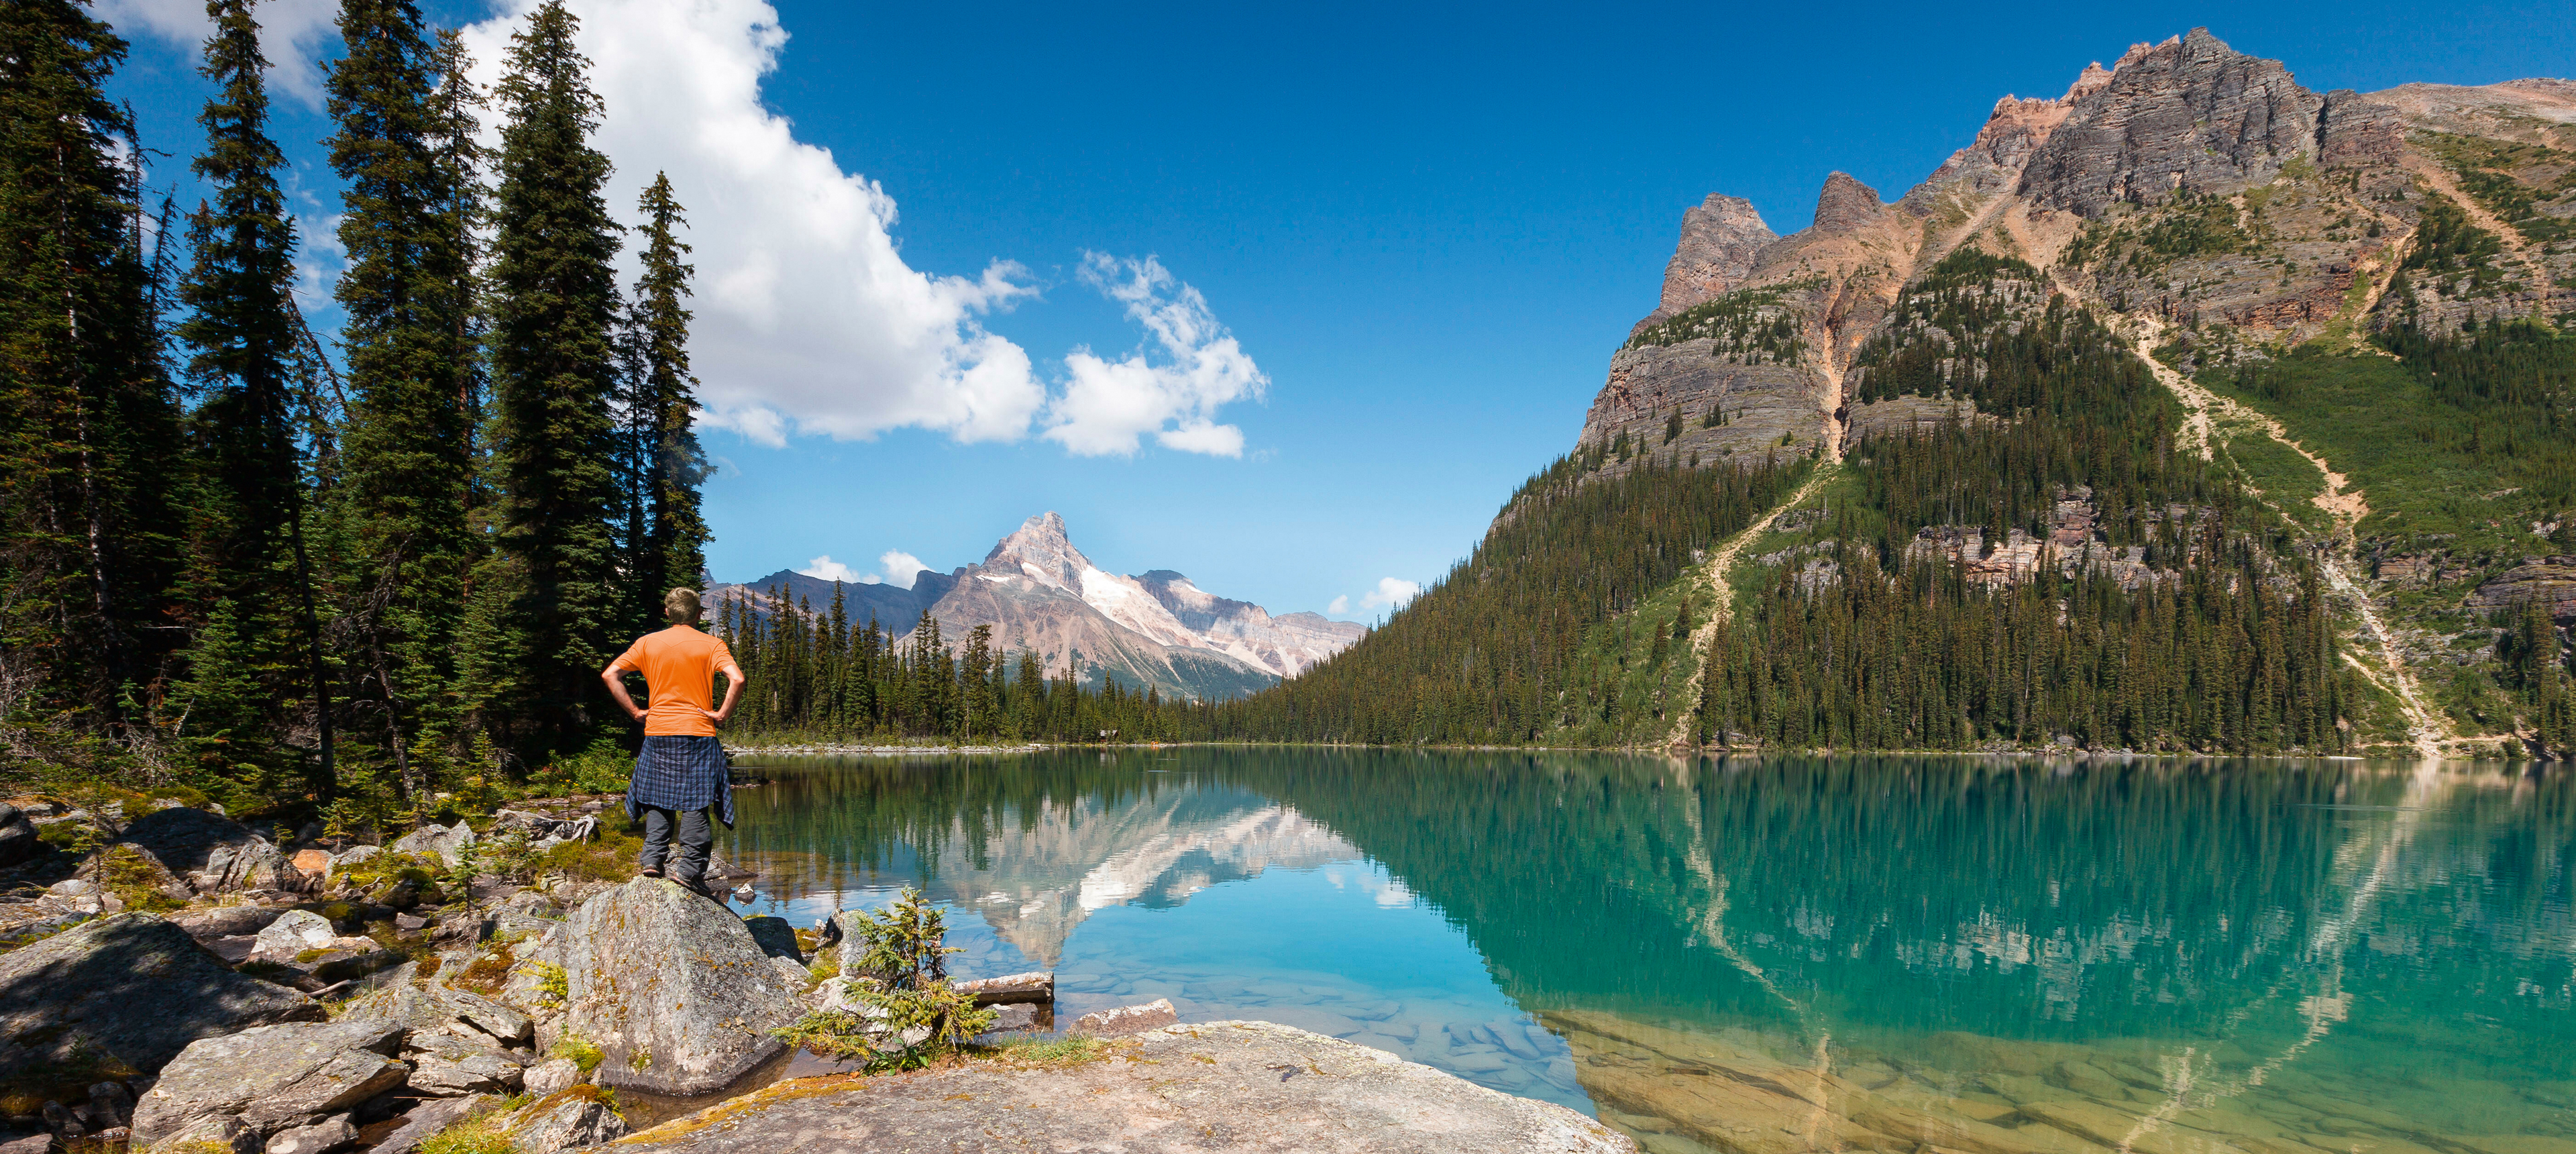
[1218,1086]
[132,989]
[1127,1019]
[673,989]
[1034,986]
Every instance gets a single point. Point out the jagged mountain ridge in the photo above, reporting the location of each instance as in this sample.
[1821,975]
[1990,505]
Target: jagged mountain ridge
[2188,182]
[1041,594]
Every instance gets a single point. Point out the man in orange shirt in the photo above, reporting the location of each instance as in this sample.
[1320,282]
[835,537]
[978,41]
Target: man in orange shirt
[682,772]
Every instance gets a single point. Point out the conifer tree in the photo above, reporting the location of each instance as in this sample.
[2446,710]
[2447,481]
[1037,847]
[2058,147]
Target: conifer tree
[247,339]
[673,550]
[554,378]
[405,146]
[88,423]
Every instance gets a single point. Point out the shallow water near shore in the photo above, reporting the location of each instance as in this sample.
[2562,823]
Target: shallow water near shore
[1780,954]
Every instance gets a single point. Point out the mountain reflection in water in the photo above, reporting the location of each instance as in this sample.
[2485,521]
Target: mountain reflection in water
[1782,955]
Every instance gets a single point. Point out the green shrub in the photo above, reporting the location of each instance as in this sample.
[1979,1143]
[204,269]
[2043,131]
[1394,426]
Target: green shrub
[900,958]
[603,767]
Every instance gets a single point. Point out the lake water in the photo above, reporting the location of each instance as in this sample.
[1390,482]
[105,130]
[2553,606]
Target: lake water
[1765,956]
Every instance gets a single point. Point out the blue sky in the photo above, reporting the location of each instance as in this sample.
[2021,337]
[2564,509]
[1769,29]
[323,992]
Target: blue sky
[928,312]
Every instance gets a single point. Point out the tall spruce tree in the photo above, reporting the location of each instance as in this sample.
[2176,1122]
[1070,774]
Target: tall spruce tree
[672,551]
[250,548]
[554,378]
[87,418]
[405,146]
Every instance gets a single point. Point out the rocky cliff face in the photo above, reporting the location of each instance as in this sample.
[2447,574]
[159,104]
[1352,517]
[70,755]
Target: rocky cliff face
[1041,594]
[2190,115]
[1720,238]
[2189,183]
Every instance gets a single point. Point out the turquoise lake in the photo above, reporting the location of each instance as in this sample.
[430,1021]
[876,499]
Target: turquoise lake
[1781,954]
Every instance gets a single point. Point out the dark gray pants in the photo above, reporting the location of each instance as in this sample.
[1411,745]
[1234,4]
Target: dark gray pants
[697,836]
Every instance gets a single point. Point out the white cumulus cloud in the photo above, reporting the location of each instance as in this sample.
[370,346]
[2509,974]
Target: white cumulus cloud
[1391,593]
[824,568]
[899,569]
[1340,605]
[1108,405]
[896,568]
[808,319]
[292,35]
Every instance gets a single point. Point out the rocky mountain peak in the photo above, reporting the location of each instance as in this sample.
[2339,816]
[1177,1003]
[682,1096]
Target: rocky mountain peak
[1846,205]
[2093,79]
[2188,115]
[1041,550]
[1720,238]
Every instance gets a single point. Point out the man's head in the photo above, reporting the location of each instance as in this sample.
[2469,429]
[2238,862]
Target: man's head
[680,607]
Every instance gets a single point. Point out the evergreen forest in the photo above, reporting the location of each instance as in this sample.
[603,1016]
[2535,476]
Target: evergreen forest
[278,568]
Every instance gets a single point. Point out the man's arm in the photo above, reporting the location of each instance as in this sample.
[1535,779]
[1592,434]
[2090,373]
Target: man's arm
[733,692]
[615,676]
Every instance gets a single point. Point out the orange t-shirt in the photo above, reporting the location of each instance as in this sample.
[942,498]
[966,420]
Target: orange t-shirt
[679,665]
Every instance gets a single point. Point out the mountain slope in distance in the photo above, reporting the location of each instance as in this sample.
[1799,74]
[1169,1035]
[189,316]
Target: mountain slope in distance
[1040,594]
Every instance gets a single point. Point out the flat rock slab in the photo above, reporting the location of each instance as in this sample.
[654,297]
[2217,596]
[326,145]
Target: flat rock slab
[132,987]
[1214,1086]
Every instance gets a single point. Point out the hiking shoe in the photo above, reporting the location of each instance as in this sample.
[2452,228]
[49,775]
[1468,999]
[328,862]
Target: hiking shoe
[649,873]
[698,886]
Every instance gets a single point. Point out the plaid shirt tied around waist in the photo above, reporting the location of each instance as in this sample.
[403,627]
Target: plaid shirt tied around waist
[681,773]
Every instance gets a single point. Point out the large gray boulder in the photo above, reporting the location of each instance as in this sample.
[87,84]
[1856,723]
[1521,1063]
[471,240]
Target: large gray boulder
[211,853]
[292,933]
[228,921]
[403,997]
[563,1121]
[447,1066]
[133,987]
[321,1137]
[351,856]
[673,990]
[212,1134]
[273,1078]
[447,842]
[429,1118]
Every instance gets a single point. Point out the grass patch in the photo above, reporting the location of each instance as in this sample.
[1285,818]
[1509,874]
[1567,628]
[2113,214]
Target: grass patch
[490,970]
[2285,478]
[124,872]
[2411,455]
[478,1133]
[1053,1053]
[580,1049]
[609,858]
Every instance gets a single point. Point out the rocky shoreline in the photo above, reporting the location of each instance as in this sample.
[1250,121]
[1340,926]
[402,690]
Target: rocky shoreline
[183,985]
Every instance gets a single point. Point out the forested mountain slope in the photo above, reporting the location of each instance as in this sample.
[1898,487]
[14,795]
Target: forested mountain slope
[2191,410]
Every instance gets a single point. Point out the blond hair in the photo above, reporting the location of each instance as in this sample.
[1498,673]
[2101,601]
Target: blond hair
[680,607]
